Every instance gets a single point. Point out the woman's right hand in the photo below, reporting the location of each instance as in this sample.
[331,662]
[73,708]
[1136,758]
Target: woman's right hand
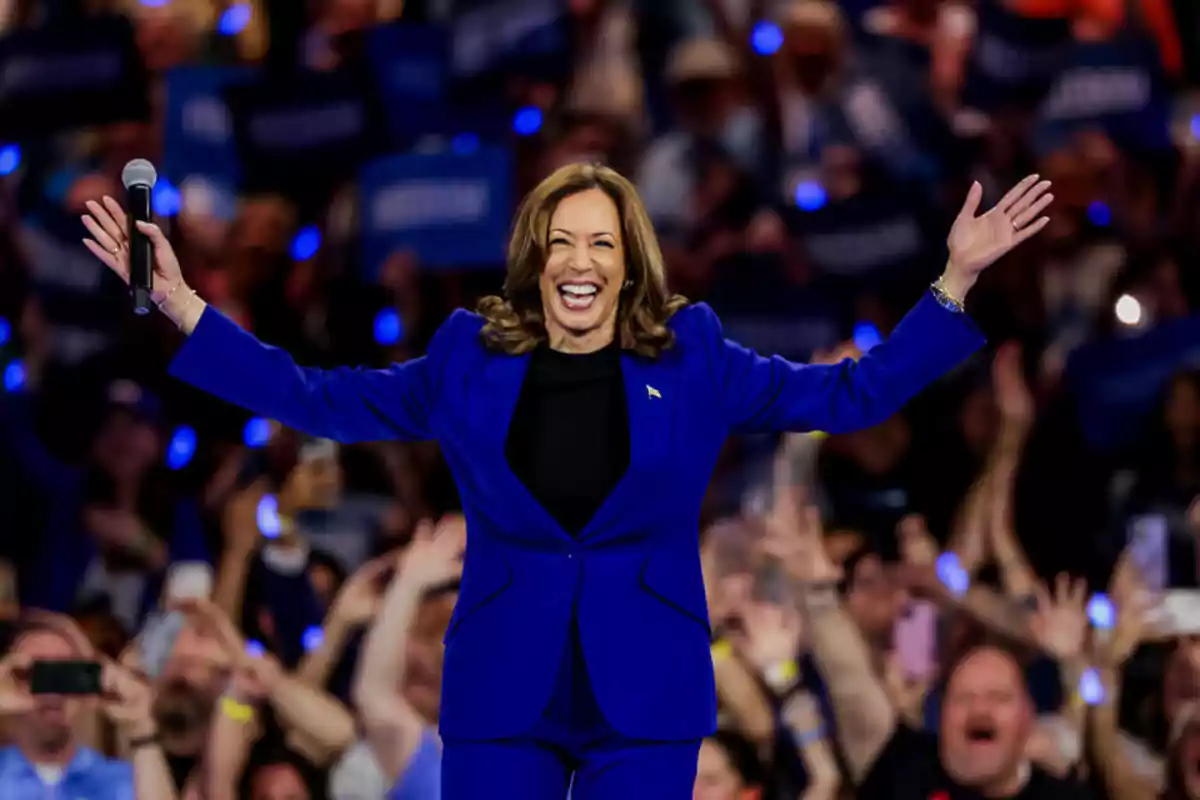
[108,225]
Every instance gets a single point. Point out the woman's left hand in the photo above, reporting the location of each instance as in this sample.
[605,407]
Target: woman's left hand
[976,240]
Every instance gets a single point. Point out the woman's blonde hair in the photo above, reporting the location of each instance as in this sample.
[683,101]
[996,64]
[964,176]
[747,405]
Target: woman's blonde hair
[515,323]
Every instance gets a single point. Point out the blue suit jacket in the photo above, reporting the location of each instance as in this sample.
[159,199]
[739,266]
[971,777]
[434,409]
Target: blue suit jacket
[632,579]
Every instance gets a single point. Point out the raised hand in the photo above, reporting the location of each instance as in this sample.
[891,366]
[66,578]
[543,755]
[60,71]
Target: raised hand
[358,600]
[1133,603]
[14,693]
[108,225]
[1060,622]
[128,701]
[773,634]
[435,555]
[795,535]
[976,240]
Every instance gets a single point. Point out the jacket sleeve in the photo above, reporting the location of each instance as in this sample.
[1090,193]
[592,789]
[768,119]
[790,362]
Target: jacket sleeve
[345,404]
[759,394]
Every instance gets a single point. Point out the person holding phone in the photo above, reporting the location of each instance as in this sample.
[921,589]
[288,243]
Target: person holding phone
[46,679]
[581,413]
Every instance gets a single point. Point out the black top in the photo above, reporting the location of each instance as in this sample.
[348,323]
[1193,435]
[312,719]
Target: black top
[568,441]
[908,768]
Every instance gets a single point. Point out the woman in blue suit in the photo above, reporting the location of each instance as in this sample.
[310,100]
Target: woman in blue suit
[581,415]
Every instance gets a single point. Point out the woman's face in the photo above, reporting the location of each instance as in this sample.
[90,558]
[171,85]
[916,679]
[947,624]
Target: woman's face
[585,270]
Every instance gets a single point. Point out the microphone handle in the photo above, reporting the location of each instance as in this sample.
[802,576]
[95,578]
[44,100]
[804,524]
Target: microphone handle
[141,255]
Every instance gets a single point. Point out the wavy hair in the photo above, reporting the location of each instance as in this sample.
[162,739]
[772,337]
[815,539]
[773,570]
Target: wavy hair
[515,323]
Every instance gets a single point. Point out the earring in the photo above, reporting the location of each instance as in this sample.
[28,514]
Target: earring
[627,284]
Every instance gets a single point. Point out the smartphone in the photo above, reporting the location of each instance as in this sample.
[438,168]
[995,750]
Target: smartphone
[156,641]
[1148,548]
[915,640]
[188,580]
[1179,614]
[64,677]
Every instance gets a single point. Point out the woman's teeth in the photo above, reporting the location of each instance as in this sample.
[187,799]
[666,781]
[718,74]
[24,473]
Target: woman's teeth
[577,296]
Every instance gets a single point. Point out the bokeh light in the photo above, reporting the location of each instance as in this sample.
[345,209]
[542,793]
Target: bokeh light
[181,447]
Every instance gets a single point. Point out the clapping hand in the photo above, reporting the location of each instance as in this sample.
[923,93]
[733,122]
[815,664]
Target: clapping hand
[1060,622]
[976,240]
[1133,603]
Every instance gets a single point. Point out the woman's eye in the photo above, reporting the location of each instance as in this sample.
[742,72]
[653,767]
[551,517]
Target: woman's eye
[609,245]
[558,242]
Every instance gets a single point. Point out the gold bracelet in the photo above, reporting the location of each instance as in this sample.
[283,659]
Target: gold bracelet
[944,297]
[183,311]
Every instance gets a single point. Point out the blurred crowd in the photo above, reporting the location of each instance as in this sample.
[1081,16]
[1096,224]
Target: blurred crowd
[1009,560]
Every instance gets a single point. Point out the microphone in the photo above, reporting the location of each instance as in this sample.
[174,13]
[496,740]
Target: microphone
[139,178]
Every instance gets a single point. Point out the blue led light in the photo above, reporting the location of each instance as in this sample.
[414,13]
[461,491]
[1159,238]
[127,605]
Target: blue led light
[268,516]
[464,144]
[307,243]
[257,432]
[14,376]
[810,196]
[165,198]
[5,331]
[1101,612]
[234,20]
[1099,214]
[1091,687]
[10,159]
[1196,126]
[766,38]
[527,121]
[255,649]
[155,3]
[181,448]
[312,639]
[866,336]
[952,575]
[388,328]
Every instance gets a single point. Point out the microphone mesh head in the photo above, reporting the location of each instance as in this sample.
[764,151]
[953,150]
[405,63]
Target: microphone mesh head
[138,172]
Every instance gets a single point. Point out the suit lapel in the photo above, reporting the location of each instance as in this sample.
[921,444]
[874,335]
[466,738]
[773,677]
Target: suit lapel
[503,377]
[650,398]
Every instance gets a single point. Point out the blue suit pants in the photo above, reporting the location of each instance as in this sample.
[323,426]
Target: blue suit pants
[571,748]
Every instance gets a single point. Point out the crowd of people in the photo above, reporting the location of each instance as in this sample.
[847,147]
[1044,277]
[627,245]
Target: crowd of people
[963,601]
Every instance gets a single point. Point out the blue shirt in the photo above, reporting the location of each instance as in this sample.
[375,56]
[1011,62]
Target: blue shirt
[89,776]
[422,778]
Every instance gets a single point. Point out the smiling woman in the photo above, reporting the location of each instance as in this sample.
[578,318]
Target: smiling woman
[584,268]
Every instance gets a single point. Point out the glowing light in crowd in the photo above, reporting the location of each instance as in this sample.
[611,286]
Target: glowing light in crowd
[1128,310]
[1099,214]
[257,432]
[10,159]
[952,575]
[181,448]
[267,516]
[14,376]
[527,121]
[866,336]
[1101,612]
[1196,126]
[306,244]
[155,3]
[766,38]
[234,20]
[388,328]
[1091,688]
[464,144]
[255,649]
[5,331]
[809,195]
[165,198]
[313,637]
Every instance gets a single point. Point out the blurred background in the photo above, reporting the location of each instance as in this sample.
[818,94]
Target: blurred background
[338,175]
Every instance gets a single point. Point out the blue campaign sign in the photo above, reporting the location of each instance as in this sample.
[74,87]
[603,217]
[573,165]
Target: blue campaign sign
[451,210]
[492,37]
[411,66]
[199,134]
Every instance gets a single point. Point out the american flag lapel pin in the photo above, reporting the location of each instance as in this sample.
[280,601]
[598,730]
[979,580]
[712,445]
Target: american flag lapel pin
[651,392]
